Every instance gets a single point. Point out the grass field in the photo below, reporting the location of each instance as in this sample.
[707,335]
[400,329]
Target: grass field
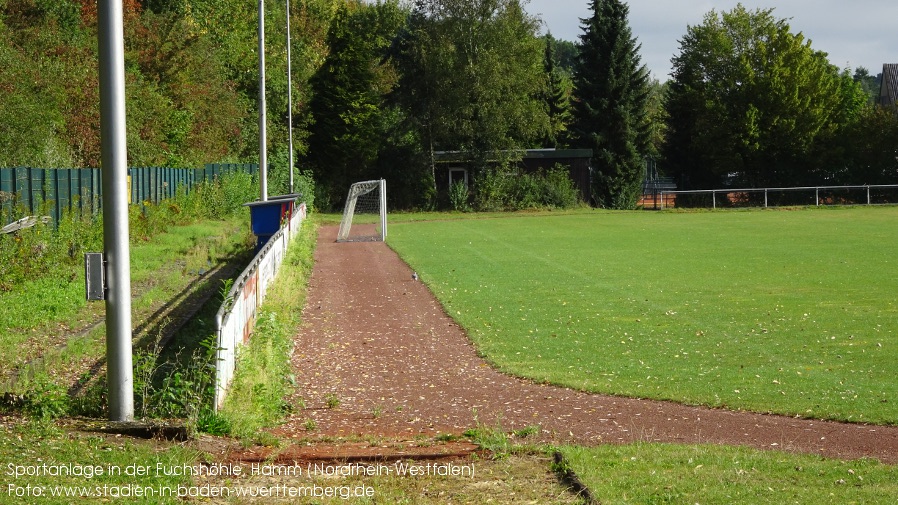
[664,473]
[786,311]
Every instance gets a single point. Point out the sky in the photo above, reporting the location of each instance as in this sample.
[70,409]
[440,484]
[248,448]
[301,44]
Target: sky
[860,33]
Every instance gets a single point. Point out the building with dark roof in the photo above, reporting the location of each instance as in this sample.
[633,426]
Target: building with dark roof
[453,166]
[888,89]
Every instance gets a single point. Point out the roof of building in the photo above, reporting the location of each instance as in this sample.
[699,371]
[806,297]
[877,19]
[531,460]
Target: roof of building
[456,156]
[888,90]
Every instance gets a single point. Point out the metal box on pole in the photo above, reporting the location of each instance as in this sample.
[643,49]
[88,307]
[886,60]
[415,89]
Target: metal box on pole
[94,277]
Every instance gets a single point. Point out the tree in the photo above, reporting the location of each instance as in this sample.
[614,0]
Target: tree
[201,114]
[866,150]
[609,110]
[656,117]
[556,97]
[348,95]
[472,75]
[565,53]
[423,95]
[191,71]
[869,83]
[750,103]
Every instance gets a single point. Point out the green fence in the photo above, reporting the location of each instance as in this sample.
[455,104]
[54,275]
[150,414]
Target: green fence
[53,191]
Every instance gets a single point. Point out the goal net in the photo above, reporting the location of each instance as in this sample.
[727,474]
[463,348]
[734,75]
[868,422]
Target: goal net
[369,197]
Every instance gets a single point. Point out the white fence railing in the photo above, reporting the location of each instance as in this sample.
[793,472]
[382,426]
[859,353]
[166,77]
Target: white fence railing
[804,195]
[237,316]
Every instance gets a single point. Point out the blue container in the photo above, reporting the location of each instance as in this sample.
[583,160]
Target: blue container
[266,217]
[261,240]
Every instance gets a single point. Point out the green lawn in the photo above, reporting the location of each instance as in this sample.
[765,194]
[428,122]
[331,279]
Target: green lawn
[663,473]
[786,311]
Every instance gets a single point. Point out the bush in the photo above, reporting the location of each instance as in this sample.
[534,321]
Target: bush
[559,190]
[279,178]
[178,386]
[304,184]
[458,196]
[491,190]
[23,255]
[506,189]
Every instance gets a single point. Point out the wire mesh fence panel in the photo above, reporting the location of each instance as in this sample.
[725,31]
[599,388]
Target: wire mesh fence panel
[886,194]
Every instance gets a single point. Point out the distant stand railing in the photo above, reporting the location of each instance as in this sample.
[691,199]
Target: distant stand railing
[868,194]
[55,191]
[652,189]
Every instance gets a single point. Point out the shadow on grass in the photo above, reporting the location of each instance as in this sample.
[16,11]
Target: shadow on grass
[165,342]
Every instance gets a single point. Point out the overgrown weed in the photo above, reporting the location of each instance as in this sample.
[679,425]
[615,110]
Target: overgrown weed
[264,377]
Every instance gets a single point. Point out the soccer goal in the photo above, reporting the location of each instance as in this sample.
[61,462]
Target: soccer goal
[369,197]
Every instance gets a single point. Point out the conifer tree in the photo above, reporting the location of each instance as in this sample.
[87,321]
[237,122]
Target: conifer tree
[555,97]
[611,88]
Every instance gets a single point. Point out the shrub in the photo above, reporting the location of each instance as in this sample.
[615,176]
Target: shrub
[559,190]
[177,386]
[458,196]
[508,189]
[491,190]
[304,184]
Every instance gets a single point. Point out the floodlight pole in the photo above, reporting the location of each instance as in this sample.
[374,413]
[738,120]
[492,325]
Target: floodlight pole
[114,158]
[263,141]
[289,97]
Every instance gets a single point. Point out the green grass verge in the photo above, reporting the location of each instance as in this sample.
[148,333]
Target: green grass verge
[661,473]
[90,468]
[60,356]
[264,376]
[792,312]
[38,313]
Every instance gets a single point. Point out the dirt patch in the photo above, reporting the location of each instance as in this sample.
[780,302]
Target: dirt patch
[377,356]
[377,451]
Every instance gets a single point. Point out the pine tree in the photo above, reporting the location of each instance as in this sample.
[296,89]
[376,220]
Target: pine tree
[611,89]
[555,97]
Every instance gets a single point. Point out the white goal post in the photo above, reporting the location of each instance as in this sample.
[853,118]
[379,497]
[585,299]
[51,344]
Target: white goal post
[368,197]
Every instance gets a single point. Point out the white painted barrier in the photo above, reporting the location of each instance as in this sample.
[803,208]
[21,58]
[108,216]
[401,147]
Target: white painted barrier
[237,316]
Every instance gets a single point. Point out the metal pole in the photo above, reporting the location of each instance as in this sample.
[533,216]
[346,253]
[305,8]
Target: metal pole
[119,374]
[383,209]
[765,198]
[289,97]
[868,195]
[263,141]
